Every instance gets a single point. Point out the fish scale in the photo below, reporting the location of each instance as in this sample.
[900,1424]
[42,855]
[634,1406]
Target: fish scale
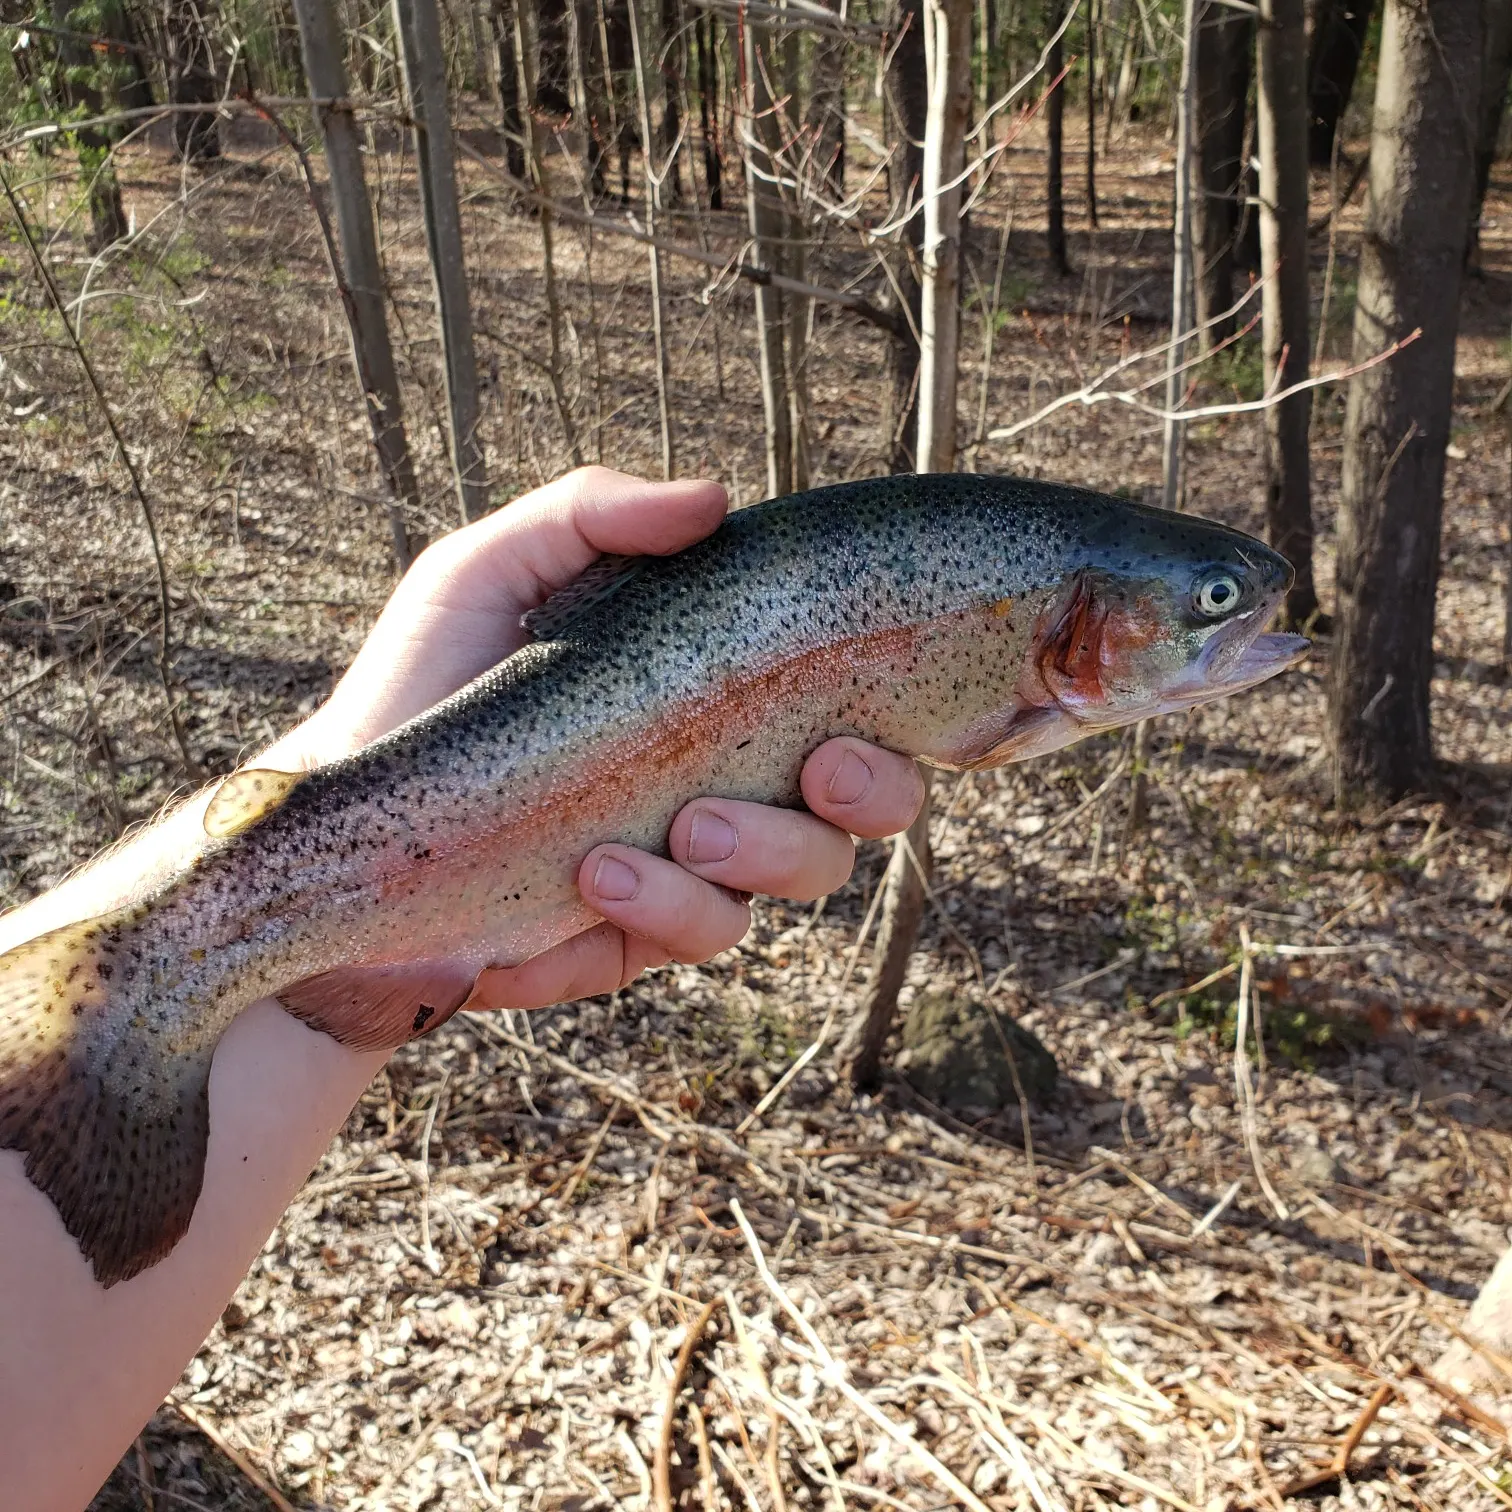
[965,621]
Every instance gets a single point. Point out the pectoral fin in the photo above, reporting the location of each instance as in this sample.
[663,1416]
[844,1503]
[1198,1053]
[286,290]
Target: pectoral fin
[1026,732]
[379,1007]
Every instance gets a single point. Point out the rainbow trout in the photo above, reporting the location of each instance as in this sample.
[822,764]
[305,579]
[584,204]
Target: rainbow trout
[967,621]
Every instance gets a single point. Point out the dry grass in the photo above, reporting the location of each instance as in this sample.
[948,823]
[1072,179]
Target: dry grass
[910,1315]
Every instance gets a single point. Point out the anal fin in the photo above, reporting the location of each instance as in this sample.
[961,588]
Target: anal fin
[114,1132]
[379,1007]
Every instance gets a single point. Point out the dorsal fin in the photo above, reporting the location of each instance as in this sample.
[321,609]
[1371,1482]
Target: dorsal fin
[600,581]
[247,796]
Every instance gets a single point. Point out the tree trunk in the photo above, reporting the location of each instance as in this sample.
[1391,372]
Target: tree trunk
[1181,263]
[1092,113]
[107,214]
[673,54]
[552,70]
[769,231]
[1055,111]
[1221,67]
[592,87]
[653,221]
[134,83]
[826,110]
[1173,448]
[1397,423]
[905,100]
[1496,74]
[192,80]
[1336,39]
[511,118]
[527,50]
[901,912]
[363,291]
[1282,107]
[708,107]
[419,27]
[947,41]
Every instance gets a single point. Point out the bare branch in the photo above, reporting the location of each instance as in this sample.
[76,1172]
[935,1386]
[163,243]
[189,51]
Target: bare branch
[192,768]
[754,273]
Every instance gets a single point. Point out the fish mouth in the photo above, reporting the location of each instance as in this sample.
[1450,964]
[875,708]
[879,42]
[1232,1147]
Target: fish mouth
[1230,664]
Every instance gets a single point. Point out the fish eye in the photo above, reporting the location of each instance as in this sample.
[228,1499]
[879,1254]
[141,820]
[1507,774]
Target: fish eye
[1216,594]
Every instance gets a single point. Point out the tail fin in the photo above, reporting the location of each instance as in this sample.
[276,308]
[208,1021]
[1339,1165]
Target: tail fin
[112,1123]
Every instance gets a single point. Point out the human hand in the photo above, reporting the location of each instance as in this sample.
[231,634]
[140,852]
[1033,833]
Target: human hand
[457,613]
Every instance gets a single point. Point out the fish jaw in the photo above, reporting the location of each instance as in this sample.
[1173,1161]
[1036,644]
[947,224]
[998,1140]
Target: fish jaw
[1225,669]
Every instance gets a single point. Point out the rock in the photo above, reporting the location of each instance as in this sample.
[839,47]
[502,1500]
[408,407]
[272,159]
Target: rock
[1489,1324]
[953,1055]
[1313,1167]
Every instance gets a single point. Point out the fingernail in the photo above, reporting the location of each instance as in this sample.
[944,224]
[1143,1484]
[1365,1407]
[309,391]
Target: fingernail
[851,780]
[711,838]
[614,881]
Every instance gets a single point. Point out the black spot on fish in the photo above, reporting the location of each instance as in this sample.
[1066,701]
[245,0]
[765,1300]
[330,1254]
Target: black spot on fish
[422,1018]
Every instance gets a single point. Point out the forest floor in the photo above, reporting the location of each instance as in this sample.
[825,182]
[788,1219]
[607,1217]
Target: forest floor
[478,1298]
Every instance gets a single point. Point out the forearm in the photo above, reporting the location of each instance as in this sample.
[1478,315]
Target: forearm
[82,1367]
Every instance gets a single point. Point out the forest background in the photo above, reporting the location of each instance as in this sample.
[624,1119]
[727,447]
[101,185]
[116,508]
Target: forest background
[290,289]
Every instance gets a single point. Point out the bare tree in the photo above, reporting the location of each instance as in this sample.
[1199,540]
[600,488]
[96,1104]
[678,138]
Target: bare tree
[527,51]
[192,78]
[425,74]
[1336,40]
[1055,114]
[1496,75]
[947,47]
[1397,423]
[904,107]
[1282,107]
[672,55]
[362,289]
[947,39]
[107,213]
[826,109]
[769,229]
[1222,75]
[654,182]
[707,38]
[511,117]
[1091,103]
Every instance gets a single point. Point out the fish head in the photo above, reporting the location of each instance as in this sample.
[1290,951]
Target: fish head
[1157,614]
[1172,620]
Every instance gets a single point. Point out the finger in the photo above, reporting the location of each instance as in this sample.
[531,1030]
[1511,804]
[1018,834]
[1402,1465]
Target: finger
[753,848]
[657,900]
[862,788]
[602,960]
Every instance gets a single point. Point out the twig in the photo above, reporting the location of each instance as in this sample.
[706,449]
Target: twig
[834,1373]
[1207,981]
[755,273]
[1242,1082]
[1092,395]
[196,1419]
[661,1468]
[1338,1466]
[432,1260]
[192,768]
